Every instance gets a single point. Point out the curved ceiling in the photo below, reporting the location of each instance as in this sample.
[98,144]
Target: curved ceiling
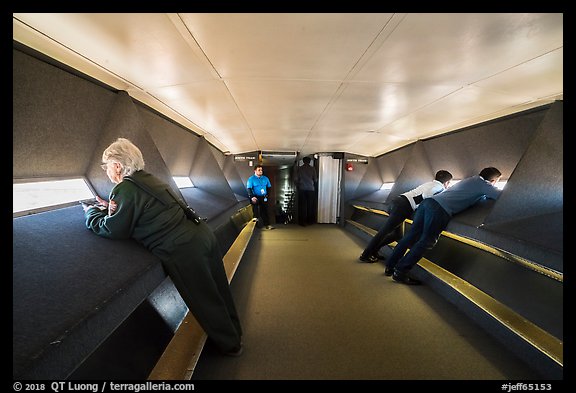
[313,82]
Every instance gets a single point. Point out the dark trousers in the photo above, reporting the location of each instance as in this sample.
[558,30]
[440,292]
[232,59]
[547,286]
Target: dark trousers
[260,210]
[306,207]
[392,230]
[430,219]
[197,271]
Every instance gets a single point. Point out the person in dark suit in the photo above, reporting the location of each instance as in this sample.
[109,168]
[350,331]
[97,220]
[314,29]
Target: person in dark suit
[432,217]
[401,208]
[144,208]
[306,182]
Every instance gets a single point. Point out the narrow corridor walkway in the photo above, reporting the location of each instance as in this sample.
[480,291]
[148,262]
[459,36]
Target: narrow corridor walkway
[312,311]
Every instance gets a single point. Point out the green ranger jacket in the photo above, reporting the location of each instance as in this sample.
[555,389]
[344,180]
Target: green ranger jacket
[161,226]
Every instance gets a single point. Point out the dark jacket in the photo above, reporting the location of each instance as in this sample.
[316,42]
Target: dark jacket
[160,227]
[189,251]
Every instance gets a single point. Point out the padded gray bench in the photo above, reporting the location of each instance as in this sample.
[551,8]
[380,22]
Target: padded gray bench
[73,289]
[518,301]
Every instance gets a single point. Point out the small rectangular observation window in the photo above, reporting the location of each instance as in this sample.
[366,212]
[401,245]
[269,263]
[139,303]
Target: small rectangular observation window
[31,195]
[183,181]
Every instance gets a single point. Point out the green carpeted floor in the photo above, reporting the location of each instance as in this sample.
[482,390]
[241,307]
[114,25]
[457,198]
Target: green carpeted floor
[312,311]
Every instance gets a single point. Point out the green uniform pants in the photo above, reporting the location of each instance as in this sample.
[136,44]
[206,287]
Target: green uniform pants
[197,271]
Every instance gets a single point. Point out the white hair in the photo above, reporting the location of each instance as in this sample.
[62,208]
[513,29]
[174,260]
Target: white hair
[126,154]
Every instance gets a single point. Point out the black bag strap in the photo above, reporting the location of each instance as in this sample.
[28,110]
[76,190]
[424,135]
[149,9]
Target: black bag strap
[190,213]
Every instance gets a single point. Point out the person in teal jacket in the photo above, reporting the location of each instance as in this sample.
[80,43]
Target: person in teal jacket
[144,208]
[257,187]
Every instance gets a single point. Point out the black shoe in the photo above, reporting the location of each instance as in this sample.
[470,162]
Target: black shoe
[235,353]
[405,279]
[389,271]
[370,259]
[381,257]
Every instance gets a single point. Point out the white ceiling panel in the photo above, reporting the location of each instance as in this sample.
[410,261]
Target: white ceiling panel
[144,48]
[284,45]
[371,106]
[461,48]
[208,102]
[314,82]
[282,104]
[235,140]
[369,140]
[291,139]
[340,140]
[468,103]
[535,79]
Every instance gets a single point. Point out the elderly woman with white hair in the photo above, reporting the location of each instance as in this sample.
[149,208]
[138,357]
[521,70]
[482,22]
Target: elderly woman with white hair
[144,208]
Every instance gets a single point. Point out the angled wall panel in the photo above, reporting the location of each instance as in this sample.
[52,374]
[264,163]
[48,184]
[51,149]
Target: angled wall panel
[370,179]
[416,171]
[51,110]
[499,143]
[176,144]
[125,121]
[206,173]
[536,186]
[236,182]
[219,156]
[530,210]
[391,164]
